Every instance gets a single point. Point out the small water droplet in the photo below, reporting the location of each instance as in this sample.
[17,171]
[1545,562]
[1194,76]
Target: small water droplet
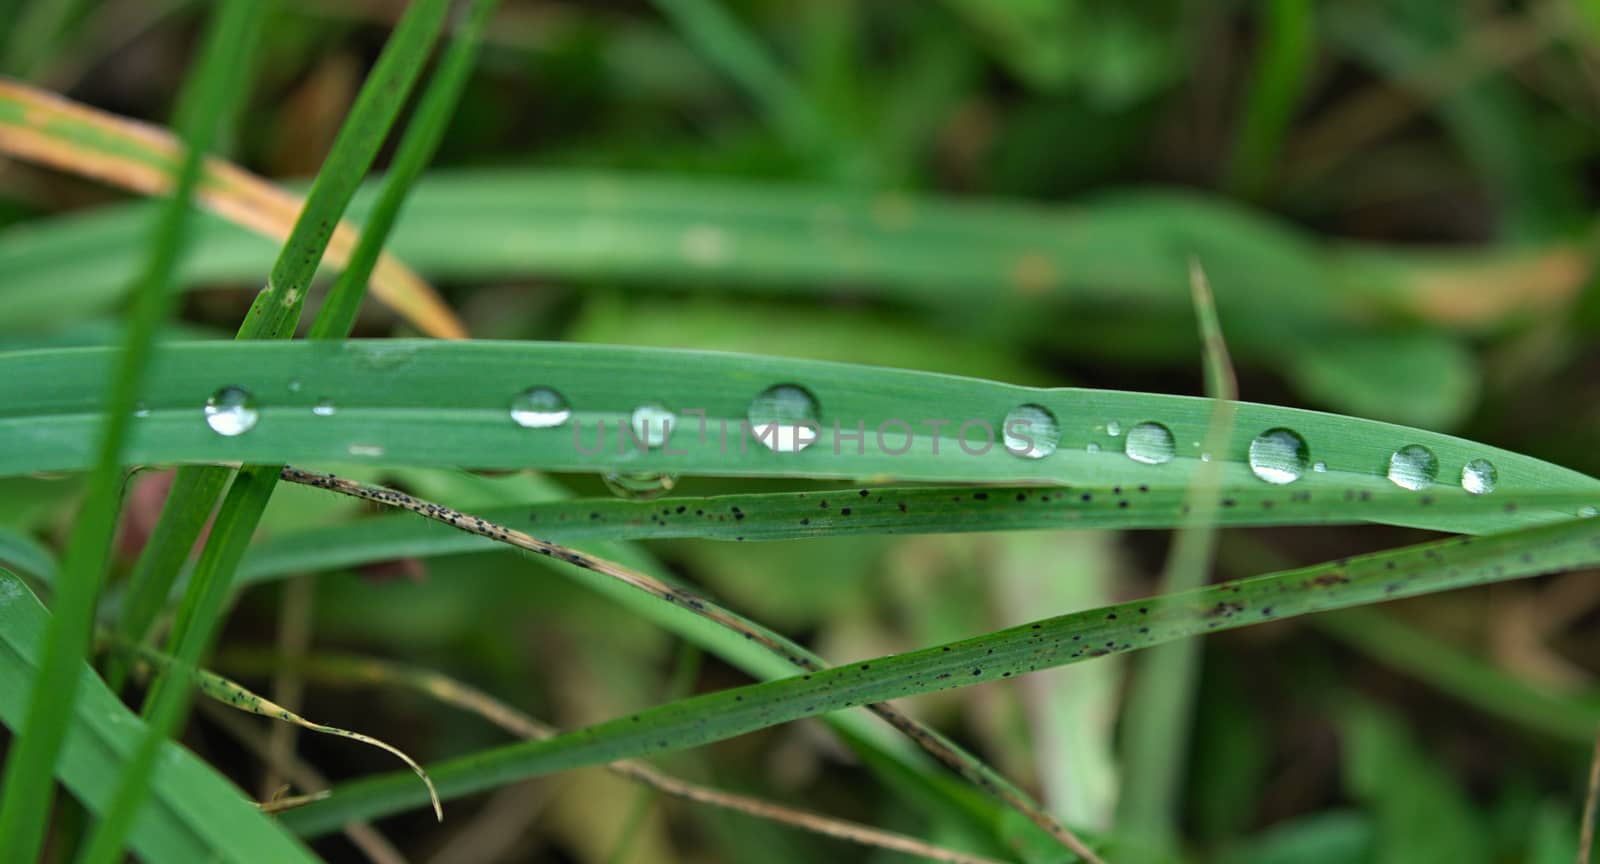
[295,384]
[782,418]
[1279,456]
[1588,512]
[231,411]
[539,408]
[1092,447]
[1031,431]
[1320,467]
[141,410]
[1205,457]
[324,408]
[1479,477]
[1413,467]
[639,485]
[1150,443]
[652,423]
[1113,428]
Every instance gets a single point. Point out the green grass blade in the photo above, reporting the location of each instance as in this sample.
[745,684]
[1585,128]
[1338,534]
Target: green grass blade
[1284,56]
[436,403]
[195,813]
[28,555]
[1159,713]
[205,105]
[274,315]
[1078,637]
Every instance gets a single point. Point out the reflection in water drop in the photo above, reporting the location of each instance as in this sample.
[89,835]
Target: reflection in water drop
[639,485]
[784,418]
[1279,456]
[652,423]
[539,408]
[1413,467]
[1031,431]
[1150,443]
[1479,477]
[231,411]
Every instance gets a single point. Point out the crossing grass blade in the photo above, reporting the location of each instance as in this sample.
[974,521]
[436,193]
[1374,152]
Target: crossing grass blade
[195,813]
[1138,624]
[207,105]
[272,316]
[48,129]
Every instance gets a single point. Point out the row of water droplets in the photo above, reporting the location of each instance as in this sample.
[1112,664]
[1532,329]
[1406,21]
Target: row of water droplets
[779,414]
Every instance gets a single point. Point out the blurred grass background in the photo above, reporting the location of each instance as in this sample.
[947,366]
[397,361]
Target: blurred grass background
[1394,198]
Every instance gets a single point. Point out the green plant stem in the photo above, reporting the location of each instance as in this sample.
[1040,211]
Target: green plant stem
[208,102]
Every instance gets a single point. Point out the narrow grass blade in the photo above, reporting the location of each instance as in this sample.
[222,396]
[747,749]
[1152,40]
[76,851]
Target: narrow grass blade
[195,813]
[47,129]
[937,746]
[273,315]
[1068,639]
[1283,61]
[205,105]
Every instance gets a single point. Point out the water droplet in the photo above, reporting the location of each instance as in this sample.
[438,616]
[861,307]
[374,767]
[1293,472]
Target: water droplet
[1319,466]
[1588,512]
[324,408]
[1205,457]
[1279,456]
[1413,467]
[141,410]
[1150,443]
[639,485]
[1092,447]
[1031,431]
[780,417]
[1479,477]
[295,384]
[539,408]
[372,451]
[652,423]
[1113,428]
[231,411]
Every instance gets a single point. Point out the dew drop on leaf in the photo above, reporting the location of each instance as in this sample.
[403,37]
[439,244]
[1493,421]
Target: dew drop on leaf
[1413,467]
[231,411]
[539,408]
[1320,467]
[1479,477]
[1113,428]
[1279,456]
[324,408]
[1031,431]
[1150,443]
[639,485]
[782,418]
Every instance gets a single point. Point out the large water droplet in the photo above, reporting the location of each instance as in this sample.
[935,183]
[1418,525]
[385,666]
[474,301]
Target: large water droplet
[1150,443]
[780,415]
[1413,467]
[231,411]
[324,408]
[1031,431]
[1279,456]
[1479,477]
[652,423]
[1113,428]
[539,408]
[639,485]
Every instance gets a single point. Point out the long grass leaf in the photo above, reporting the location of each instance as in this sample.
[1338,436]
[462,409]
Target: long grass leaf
[25,796]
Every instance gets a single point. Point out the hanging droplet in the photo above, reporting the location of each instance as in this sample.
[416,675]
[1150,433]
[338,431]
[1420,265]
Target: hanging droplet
[324,408]
[1031,431]
[639,485]
[1413,467]
[1279,456]
[1150,443]
[539,408]
[231,411]
[652,423]
[1479,477]
[784,417]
